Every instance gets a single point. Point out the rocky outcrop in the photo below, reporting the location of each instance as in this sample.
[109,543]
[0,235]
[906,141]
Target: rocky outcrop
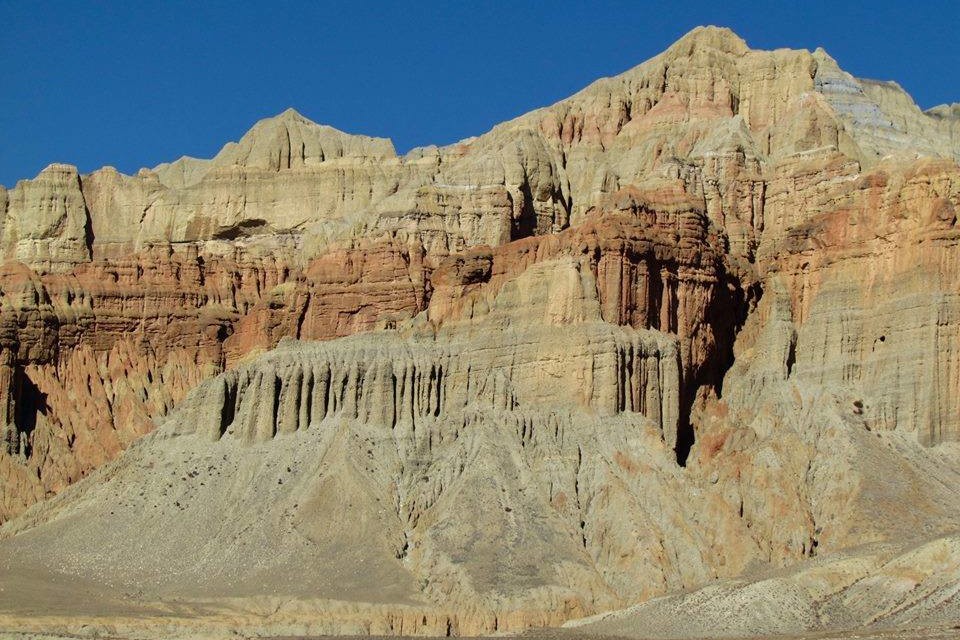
[485,476]
[696,319]
[401,382]
[204,307]
[487,428]
[708,157]
[46,223]
[116,343]
[870,291]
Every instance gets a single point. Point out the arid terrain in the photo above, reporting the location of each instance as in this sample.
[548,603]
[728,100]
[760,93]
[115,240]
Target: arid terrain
[676,357]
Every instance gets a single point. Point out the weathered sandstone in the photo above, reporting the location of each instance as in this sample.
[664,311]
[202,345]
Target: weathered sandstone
[698,320]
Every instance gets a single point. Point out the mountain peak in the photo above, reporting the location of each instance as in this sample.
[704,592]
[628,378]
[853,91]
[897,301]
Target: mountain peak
[286,118]
[712,37]
[291,115]
[291,140]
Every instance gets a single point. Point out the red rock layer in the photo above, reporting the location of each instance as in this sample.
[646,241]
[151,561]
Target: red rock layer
[91,357]
[655,268]
[88,359]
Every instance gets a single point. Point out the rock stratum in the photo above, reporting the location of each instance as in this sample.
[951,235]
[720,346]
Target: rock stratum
[684,344]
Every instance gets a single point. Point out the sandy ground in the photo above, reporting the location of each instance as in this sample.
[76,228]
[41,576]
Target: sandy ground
[562,634]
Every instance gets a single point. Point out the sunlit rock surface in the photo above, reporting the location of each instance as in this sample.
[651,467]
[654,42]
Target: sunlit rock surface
[698,321]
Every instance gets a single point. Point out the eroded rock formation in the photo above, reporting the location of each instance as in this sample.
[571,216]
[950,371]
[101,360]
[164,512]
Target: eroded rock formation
[697,318]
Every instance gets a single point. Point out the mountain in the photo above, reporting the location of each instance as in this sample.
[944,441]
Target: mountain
[682,344]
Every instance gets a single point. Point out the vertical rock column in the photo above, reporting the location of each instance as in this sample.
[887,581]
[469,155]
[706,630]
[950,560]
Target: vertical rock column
[9,436]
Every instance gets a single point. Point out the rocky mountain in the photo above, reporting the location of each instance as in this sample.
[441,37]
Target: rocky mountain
[694,330]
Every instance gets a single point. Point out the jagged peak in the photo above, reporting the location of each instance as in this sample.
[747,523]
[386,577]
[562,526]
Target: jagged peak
[291,118]
[292,114]
[945,111]
[291,140]
[698,39]
[182,172]
[709,36]
[820,52]
[54,171]
[59,168]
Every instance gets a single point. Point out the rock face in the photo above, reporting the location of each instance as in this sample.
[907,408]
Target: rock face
[46,223]
[698,318]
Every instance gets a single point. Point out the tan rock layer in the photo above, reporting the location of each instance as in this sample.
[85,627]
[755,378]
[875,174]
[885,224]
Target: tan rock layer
[873,296]
[716,162]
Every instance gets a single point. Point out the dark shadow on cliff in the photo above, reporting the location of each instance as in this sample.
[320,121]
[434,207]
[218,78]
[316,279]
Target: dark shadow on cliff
[30,403]
[727,312]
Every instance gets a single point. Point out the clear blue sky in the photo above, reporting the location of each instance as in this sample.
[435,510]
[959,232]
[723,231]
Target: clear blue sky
[129,85]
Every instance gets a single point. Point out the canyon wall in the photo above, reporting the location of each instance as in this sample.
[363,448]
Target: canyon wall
[698,315]
[685,185]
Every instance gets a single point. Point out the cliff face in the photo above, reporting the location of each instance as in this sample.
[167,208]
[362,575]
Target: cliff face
[698,315]
[483,476]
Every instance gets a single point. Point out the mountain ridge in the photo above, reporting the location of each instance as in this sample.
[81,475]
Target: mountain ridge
[715,37]
[695,324]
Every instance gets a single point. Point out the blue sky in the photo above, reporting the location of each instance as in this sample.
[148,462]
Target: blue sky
[130,85]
